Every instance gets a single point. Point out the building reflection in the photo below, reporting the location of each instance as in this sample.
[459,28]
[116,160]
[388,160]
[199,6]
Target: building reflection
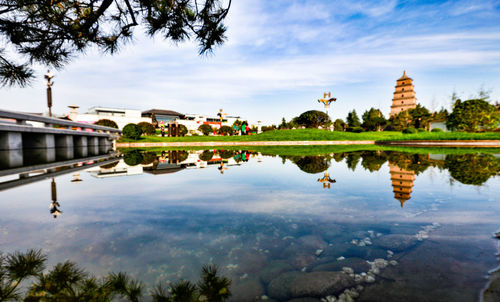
[402,182]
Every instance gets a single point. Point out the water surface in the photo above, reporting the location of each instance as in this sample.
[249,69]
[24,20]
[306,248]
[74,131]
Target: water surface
[266,220]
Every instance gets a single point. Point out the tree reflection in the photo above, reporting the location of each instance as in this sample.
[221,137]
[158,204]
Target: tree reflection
[311,164]
[472,169]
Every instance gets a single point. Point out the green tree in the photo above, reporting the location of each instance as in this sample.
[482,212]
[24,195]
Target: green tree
[400,121]
[353,120]
[473,115]
[419,117]
[338,125]
[313,119]
[373,120]
[147,128]
[206,129]
[283,124]
[226,130]
[17,267]
[52,32]
[132,131]
[106,123]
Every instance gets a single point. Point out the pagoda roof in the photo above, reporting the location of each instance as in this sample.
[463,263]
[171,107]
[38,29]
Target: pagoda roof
[404,77]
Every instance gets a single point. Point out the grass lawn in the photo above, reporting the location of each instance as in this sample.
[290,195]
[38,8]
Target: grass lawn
[322,150]
[323,135]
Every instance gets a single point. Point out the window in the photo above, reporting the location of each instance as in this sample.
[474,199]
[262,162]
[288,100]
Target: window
[403,83]
[402,95]
[401,102]
[403,89]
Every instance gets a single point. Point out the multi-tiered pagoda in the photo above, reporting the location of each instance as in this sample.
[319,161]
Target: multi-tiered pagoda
[404,96]
[402,183]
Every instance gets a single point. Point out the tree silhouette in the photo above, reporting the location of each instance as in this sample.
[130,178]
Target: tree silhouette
[52,32]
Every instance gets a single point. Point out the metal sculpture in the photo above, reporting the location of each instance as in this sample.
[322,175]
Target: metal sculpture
[326,100]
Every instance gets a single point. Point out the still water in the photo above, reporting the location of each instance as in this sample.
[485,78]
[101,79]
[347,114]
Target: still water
[381,225]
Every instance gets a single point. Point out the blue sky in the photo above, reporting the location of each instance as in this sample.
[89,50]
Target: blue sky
[281,56]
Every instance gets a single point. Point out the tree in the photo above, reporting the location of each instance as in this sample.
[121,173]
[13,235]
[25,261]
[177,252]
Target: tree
[106,123]
[206,129]
[283,124]
[132,131]
[473,115]
[353,120]
[52,32]
[420,117]
[400,121]
[226,130]
[338,125]
[313,119]
[147,128]
[373,120]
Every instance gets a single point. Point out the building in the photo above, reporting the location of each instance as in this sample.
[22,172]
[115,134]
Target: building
[404,95]
[402,183]
[121,117]
[162,115]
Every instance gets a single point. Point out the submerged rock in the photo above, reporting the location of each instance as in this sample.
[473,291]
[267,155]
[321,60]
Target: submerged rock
[396,242]
[273,270]
[247,291]
[309,285]
[357,264]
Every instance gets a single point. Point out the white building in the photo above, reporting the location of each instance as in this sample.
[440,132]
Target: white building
[121,117]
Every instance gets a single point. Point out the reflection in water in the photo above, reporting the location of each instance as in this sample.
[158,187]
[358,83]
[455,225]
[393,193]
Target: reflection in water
[471,168]
[274,234]
[54,210]
[326,180]
[402,183]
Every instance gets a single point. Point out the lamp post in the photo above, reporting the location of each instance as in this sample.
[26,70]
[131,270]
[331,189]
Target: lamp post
[48,76]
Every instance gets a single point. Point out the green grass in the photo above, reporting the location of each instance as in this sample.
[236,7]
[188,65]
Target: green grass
[322,150]
[316,135]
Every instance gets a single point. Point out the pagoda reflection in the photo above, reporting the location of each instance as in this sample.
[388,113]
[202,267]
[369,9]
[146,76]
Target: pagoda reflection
[402,182]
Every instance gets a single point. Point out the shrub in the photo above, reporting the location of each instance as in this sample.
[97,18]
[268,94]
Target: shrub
[437,130]
[410,130]
[225,154]
[225,130]
[421,130]
[183,130]
[133,158]
[354,129]
[147,128]
[132,131]
[106,123]
[206,155]
[148,158]
[205,129]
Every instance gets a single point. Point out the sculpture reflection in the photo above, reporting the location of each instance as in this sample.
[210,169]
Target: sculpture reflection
[326,180]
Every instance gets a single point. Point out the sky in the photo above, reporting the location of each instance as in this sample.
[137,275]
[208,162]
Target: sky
[282,55]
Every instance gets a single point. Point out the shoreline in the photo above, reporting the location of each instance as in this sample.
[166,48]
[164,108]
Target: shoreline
[409,143]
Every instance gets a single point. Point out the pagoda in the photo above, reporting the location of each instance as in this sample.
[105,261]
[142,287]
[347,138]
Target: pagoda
[404,96]
[402,183]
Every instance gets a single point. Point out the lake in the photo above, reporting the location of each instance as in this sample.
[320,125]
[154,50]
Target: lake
[374,225]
